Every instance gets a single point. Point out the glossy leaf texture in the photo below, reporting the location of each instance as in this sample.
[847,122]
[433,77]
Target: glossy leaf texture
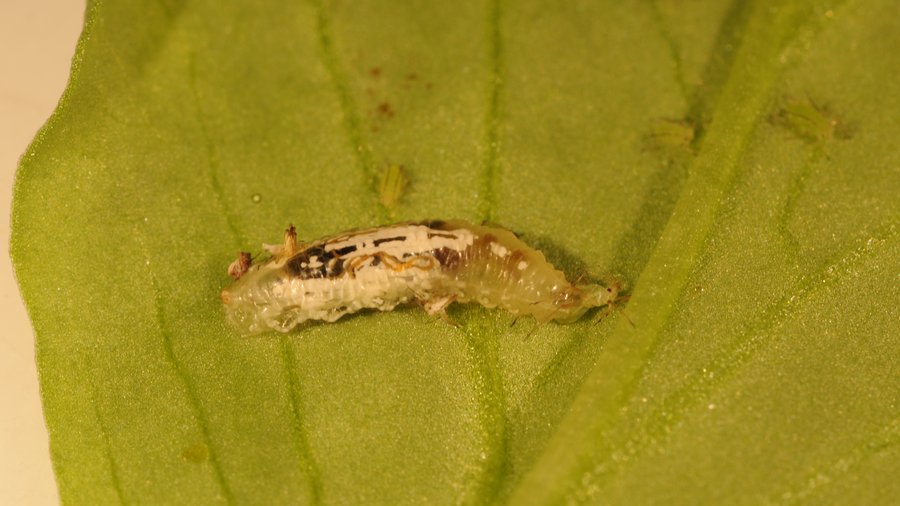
[734,164]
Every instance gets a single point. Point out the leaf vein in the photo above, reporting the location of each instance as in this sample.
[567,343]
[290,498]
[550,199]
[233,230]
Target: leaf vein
[795,190]
[107,448]
[597,410]
[190,390]
[212,156]
[492,413]
[301,437]
[887,437]
[352,122]
[301,440]
[677,64]
[490,179]
[713,375]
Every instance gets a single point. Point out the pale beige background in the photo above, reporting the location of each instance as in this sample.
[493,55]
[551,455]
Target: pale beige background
[37,41]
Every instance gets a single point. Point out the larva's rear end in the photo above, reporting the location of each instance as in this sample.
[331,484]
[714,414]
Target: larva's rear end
[500,270]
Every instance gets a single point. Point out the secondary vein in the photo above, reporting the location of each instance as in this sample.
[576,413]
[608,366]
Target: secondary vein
[301,438]
[190,390]
[491,167]
[352,122]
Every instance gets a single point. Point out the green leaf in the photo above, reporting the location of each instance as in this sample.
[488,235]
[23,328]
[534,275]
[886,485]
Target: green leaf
[734,164]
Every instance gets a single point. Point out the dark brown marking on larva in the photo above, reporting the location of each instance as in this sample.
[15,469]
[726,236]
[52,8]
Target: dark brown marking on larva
[513,260]
[299,266]
[295,265]
[379,242]
[335,267]
[447,257]
[435,224]
[346,250]
[483,244]
[432,235]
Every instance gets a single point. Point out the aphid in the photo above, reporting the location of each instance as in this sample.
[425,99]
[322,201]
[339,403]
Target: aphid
[810,121]
[390,188]
[433,262]
[673,139]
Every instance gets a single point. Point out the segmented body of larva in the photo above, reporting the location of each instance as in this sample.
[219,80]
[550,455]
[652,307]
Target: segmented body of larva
[433,262]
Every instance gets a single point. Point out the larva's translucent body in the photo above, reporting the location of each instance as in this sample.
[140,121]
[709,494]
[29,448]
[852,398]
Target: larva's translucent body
[433,262]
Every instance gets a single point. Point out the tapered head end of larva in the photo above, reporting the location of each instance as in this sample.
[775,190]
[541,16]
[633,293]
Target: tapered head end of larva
[613,291]
[607,294]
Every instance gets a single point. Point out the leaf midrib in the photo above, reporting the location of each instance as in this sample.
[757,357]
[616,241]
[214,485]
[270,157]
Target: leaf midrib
[596,412]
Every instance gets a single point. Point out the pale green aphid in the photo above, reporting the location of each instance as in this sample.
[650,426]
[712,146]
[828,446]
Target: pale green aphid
[670,135]
[673,139]
[393,182]
[433,262]
[810,121]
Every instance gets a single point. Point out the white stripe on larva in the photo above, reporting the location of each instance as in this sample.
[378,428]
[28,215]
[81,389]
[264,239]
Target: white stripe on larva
[415,240]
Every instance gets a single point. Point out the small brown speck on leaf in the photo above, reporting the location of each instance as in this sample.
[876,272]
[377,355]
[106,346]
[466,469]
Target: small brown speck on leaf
[385,109]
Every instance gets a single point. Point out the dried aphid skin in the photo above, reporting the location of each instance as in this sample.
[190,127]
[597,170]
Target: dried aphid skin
[432,262]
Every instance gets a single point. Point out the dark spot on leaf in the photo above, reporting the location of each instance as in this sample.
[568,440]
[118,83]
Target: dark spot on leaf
[375,71]
[385,109]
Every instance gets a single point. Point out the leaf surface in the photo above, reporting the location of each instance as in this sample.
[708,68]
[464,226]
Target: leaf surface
[733,164]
